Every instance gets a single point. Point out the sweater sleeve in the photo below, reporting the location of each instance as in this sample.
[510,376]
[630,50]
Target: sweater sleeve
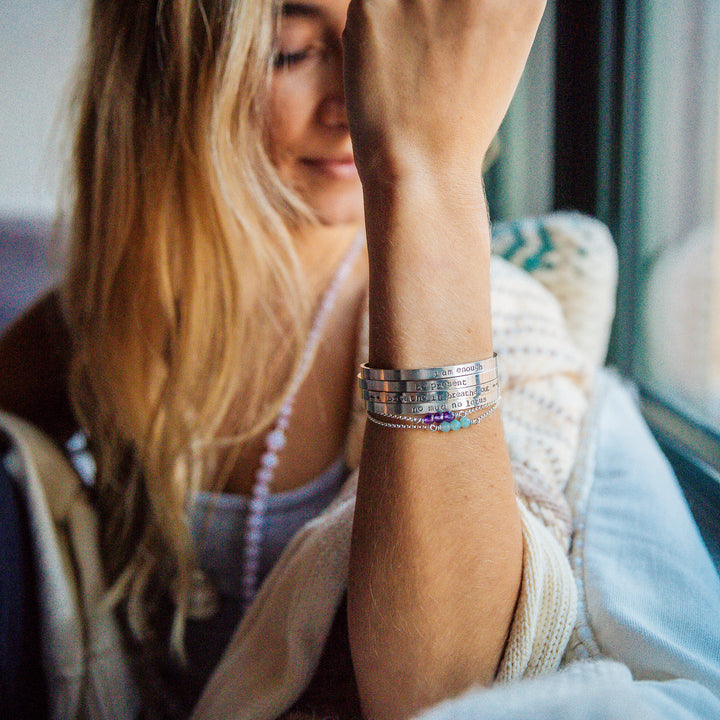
[546,609]
[552,282]
[546,384]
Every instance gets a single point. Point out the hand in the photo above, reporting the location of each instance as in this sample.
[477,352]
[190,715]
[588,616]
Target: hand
[428,82]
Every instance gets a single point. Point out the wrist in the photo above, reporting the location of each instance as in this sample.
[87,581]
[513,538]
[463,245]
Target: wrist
[417,177]
[421,219]
[429,252]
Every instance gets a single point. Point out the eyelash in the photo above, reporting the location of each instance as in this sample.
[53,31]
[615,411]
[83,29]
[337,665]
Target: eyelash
[286,60]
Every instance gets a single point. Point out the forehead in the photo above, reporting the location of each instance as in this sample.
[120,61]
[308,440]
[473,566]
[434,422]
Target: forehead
[321,11]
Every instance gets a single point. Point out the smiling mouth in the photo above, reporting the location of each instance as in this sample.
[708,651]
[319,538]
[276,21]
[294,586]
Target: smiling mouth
[341,168]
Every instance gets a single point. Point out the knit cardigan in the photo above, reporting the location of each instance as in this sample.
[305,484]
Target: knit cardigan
[552,299]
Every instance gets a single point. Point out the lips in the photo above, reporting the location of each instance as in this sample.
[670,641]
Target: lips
[341,167]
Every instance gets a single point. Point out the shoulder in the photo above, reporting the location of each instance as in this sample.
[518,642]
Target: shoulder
[34,360]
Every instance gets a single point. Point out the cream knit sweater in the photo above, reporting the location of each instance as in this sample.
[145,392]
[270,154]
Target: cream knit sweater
[546,368]
[548,344]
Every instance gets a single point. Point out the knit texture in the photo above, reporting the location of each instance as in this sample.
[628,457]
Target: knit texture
[574,257]
[546,610]
[545,382]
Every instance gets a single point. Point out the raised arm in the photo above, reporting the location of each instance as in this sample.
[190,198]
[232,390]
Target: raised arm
[436,557]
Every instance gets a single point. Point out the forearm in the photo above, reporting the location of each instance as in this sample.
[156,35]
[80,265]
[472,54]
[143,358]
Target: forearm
[437,550]
[429,252]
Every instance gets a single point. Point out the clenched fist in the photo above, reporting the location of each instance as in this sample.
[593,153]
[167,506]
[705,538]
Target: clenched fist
[428,82]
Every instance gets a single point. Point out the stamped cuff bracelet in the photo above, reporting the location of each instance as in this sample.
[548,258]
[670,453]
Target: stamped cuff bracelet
[441,396]
[426,398]
[425,386]
[447,371]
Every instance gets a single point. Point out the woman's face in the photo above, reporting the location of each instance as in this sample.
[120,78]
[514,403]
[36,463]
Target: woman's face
[309,140]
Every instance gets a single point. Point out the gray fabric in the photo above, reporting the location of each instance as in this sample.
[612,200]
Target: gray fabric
[218,524]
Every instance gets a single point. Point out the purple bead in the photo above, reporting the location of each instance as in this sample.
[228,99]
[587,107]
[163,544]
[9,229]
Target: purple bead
[257,505]
[253,538]
[438,417]
[261,493]
[248,583]
[448,416]
[264,475]
[269,460]
[275,440]
[429,419]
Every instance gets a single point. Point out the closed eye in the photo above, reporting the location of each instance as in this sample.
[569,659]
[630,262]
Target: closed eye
[289,60]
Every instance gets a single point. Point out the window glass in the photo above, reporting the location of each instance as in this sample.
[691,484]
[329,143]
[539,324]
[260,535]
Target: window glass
[520,180]
[677,355]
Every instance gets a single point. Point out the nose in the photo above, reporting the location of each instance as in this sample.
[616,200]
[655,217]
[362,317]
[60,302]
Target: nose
[332,111]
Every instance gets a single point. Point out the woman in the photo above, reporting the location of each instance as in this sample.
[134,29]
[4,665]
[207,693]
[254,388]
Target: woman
[228,158]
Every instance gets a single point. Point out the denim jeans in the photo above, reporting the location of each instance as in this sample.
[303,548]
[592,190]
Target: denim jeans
[647,643]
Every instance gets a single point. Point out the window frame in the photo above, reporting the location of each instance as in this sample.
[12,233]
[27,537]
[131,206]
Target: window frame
[604,181]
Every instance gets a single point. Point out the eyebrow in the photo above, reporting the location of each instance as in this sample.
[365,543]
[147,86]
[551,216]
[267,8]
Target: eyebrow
[300,9]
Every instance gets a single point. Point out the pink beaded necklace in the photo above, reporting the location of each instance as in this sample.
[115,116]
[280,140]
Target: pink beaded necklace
[275,439]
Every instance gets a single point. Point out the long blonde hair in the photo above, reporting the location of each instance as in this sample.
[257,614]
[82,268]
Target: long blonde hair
[179,264]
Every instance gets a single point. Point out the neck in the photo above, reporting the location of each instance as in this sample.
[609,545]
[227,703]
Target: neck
[320,249]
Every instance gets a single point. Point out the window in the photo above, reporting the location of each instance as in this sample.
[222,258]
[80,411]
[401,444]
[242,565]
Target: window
[678,355]
[665,207]
[520,181]
[635,140]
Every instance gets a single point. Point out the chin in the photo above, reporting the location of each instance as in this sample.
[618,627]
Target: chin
[337,219]
[342,210]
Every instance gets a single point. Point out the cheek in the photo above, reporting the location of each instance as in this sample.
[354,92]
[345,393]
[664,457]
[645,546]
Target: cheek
[290,112]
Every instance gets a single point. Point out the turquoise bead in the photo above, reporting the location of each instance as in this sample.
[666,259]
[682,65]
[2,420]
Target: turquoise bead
[465,421]
[455,425]
[445,426]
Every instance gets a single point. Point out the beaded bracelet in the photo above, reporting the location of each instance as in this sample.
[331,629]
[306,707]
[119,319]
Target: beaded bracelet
[435,422]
